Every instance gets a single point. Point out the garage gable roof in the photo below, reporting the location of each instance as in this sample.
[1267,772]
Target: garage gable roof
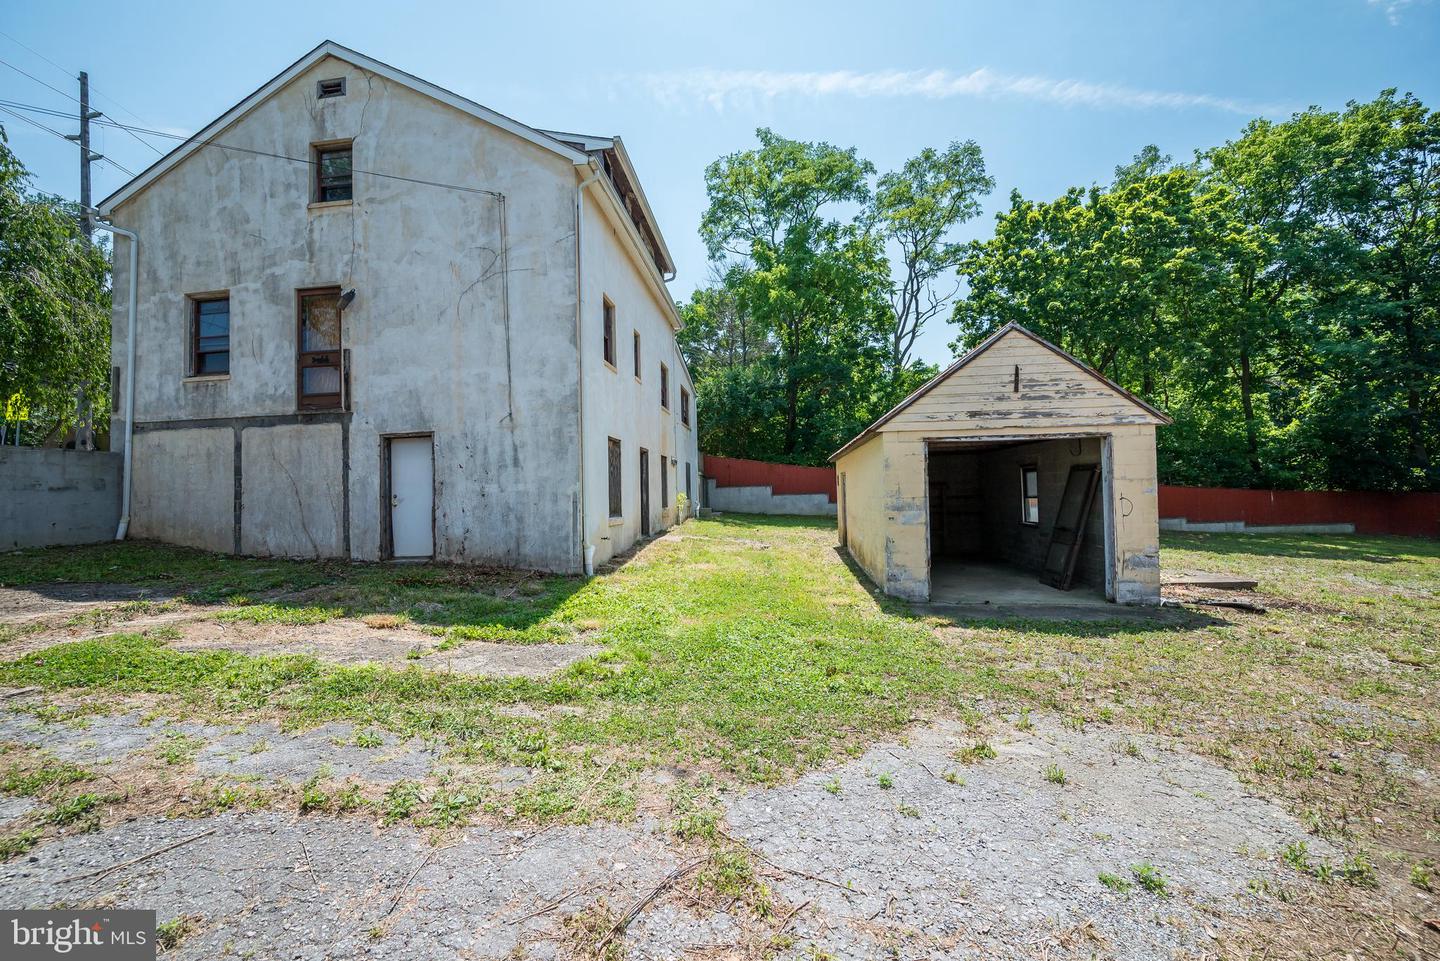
[330,48]
[1159,416]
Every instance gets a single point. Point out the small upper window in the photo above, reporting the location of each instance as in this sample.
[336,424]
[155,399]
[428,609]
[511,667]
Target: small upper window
[1029,495]
[334,178]
[210,336]
[684,407]
[637,354]
[609,332]
[664,387]
[330,88]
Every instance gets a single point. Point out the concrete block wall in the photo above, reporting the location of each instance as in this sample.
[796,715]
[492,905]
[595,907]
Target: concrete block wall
[762,499]
[52,497]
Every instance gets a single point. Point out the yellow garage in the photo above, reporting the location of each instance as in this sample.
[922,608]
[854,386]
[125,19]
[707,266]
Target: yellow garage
[1018,475]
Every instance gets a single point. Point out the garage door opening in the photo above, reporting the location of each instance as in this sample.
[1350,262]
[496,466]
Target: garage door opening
[1011,522]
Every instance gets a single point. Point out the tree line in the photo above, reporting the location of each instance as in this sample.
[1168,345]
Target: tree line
[1277,294]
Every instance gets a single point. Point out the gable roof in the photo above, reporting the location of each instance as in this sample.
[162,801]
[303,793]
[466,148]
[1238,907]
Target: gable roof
[990,341]
[330,48]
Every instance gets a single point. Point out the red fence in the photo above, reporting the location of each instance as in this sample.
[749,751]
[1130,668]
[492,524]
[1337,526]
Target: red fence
[1415,515]
[780,478]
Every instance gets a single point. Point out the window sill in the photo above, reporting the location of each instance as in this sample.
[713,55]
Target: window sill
[328,204]
[616,521]
[204,378]
[613,368]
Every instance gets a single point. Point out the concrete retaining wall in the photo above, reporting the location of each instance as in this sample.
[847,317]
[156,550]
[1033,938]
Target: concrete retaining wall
[764,500]
[50,497]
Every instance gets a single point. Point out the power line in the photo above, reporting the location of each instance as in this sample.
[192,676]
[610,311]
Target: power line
[51,130]
[66,95]
[11,106]
[95,91]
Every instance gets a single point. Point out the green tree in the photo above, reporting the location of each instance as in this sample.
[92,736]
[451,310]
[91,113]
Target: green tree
[813,283]
[916,208]
[54,306]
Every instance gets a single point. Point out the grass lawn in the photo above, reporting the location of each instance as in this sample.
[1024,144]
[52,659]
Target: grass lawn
[746,648]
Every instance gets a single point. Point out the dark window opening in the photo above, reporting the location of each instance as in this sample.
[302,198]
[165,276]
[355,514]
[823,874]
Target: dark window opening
[334,177]
[1029,495]
[664,482]
[664,387]
[637,354]
[609,332]
[689,496]
[330,88]
[684,407]
[319,353]
[210,337]
[617,508]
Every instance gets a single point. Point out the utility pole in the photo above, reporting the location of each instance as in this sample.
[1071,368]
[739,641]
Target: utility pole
[84,427]
[87,156]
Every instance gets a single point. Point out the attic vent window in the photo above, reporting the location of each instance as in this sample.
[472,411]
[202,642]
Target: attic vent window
[330,88]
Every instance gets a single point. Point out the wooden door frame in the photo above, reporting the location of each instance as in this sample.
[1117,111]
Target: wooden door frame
[387,531]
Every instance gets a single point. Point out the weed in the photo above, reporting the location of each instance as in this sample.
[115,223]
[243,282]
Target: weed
[14,845]
[885,781]
[35,781]
[79,809]
[1024,722]
[367,739]
[1132,749]
[400,801]
[1422,875]
[908,810]
[1150,879]
[1115,882]
[979,751]
[1055,774]
[169,934]
[832,786]
[313,797]
[448,808]
[952,777]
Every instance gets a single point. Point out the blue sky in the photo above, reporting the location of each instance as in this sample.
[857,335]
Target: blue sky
[1056,93]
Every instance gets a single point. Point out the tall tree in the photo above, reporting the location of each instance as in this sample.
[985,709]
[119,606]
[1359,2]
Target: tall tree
[813,283]
[54,306]
[916,208]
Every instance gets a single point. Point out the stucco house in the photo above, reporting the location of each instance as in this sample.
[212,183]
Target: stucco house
[1016,473]
[379,320]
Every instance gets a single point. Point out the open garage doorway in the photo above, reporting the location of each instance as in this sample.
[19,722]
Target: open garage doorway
[1017,522]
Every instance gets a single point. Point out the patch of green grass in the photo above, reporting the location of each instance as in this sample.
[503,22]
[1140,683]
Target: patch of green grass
[1115,882]
[1055,774]
[170,934]
[1422,875]
[80,808]
[400,802]
[977,752]
[14,845]
[1149,878]
[34,781]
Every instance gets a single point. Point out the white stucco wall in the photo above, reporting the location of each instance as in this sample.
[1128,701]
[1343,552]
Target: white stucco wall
[619,405]
[432,349]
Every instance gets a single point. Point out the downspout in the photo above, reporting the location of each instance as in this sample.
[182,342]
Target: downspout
[134,284]
[587,550]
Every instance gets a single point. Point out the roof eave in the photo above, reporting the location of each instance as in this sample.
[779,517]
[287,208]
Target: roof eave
[1161,417]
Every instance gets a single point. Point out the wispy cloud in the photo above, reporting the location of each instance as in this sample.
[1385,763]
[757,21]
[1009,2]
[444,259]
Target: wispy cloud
[1394,8]
[720,89]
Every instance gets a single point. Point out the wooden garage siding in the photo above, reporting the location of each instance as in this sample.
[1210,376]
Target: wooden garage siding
[981,395]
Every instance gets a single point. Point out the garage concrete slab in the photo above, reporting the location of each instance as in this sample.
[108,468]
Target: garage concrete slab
[964,582]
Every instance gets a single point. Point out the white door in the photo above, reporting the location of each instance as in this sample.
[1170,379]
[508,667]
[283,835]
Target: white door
[412,497]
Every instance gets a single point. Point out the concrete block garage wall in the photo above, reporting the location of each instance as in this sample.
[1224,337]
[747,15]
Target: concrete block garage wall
[51,497]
